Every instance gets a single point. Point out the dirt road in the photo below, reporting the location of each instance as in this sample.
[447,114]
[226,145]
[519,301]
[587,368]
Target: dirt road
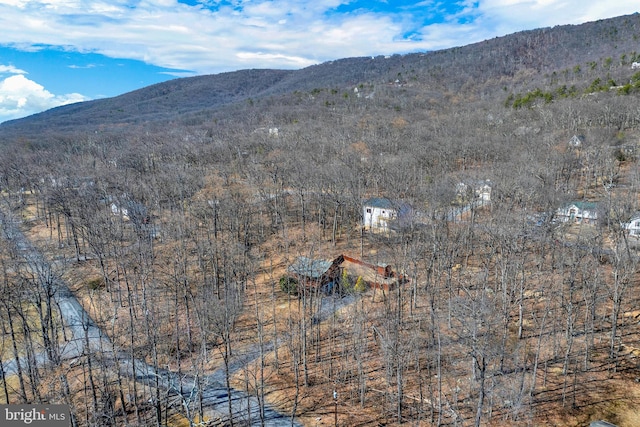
[85,337]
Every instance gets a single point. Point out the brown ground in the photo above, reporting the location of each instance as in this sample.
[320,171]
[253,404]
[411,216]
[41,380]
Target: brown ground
[560,400]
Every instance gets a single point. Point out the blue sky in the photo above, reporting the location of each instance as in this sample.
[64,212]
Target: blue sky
[55,52]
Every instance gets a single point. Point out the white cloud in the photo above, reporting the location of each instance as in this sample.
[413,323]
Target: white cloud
[276,33]
[258,33]
[509,16]
[10,69]
[81,67]
[20,97]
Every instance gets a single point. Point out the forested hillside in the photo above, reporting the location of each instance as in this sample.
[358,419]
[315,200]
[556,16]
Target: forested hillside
[174,215]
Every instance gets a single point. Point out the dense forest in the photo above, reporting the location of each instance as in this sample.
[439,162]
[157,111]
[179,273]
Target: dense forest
[148,242]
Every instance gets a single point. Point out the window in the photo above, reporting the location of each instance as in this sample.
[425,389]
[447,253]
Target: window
[368,210]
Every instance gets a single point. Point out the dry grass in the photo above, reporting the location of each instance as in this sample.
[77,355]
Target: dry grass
[33,324]
[13,387]
[593,394]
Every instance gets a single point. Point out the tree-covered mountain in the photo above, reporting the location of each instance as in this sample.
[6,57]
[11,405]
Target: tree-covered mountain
[516,62]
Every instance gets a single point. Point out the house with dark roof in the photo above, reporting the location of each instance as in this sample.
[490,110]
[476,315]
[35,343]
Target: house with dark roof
[380,214]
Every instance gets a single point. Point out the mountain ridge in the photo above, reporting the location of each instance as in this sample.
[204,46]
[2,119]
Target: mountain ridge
[544,50]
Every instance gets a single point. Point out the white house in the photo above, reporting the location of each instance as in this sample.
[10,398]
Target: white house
[382,214]
[578,212]
[633,225]
[576,141]
[481,191]
[119,211]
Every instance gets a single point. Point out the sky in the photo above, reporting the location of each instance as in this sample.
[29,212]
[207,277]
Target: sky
[56,52]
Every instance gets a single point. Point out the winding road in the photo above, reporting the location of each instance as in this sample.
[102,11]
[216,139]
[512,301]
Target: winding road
[85,337]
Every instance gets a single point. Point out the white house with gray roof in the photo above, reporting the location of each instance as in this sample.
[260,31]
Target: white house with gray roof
[633,225]
[382,214]
[578,212]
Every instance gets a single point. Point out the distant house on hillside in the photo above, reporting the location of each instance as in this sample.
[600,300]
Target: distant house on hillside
[578,212]
[576,141]
[119,211]
[382,214]
[633,225]
[478,191]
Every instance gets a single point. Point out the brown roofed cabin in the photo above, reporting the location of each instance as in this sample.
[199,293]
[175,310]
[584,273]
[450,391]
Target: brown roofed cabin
[316,273]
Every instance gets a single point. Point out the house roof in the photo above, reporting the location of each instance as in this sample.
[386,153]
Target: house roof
[403,208]
[583,206]
[577,140]
[312,268]
[380,202]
